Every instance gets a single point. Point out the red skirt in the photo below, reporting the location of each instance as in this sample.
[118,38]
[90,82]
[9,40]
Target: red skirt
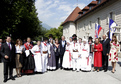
[98,59]
[28,71]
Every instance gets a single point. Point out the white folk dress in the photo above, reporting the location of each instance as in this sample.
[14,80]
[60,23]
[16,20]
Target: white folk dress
[36,50]
[84,55]
[79,59]
[114,47]
[67,61]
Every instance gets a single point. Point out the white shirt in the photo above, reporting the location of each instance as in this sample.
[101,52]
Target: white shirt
[36,48]
[63,43]
[44,47]
[19,49]
[49,45]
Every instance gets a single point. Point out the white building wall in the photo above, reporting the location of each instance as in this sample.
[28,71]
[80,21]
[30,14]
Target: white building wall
[68,30]
[102,13]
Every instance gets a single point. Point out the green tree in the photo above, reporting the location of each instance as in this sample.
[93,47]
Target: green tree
[19,18]
[56,32]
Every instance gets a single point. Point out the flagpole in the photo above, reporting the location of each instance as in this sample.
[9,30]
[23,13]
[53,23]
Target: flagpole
[77,2]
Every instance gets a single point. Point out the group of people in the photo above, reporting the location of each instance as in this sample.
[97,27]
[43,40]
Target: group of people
[74,54]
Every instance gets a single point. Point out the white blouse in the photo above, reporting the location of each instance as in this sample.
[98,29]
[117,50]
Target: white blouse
[19,49]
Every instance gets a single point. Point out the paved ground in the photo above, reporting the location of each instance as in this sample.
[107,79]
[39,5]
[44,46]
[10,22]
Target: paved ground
[68,77]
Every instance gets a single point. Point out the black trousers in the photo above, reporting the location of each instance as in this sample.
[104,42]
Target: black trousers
[61,60]
[105,62]
[0,58]
[8,67]
[57,61]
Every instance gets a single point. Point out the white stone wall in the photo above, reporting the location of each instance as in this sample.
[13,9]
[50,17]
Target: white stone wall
[66,30]
[103,13]
[69,29]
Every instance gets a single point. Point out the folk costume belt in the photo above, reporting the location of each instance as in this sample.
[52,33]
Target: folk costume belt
[75,50]
[37,51]
[45,52]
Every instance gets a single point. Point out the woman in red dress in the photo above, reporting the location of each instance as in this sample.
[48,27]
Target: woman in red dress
[97,55]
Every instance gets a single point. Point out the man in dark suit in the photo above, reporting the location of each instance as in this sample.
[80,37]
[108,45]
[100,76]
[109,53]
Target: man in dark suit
[62,49]
[0,49]
[8,54]
[106,48]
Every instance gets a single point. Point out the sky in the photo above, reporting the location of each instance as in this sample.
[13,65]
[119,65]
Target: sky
[54,12]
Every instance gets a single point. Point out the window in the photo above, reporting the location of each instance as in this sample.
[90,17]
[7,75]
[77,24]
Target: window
[111,15]
[90,7]
[84,12]
[98,21]
[99,1]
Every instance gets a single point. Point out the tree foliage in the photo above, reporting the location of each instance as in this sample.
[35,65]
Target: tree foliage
[19,18]
[56,32]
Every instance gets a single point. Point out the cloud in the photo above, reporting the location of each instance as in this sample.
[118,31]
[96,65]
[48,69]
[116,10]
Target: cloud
[53,12]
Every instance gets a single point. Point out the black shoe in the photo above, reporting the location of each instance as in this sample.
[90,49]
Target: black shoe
[12,78]
[112,72]
[105,70]
[61,68]
[5,80]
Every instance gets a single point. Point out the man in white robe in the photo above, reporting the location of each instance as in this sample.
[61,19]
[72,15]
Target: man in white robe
[75,55]
[37,51]
[44,46]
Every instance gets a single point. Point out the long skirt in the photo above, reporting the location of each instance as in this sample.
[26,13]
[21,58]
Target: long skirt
[51,62]
[38,62]
[67,61]
[85,61]
[29,64]
[98,59]
[18,64]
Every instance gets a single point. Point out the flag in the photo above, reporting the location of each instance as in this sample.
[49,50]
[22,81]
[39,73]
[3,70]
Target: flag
[98,28]
[111,29]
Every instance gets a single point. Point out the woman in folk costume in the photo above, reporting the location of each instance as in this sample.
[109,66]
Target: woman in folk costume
[84,56]
[51,58]
[91,48]
[29,63]
[36,50]
[75,55]
[79,59]
[44,47]
[97,55]
[114,52]
[67,60]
